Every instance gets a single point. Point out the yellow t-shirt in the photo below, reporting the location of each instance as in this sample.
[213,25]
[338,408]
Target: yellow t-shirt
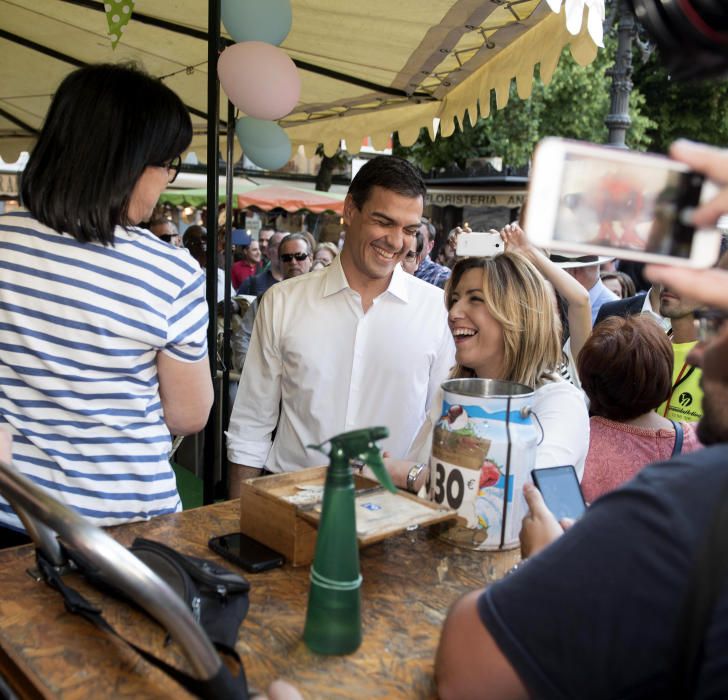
[686,401]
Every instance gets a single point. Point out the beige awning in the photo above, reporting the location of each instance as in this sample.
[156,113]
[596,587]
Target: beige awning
[374,67]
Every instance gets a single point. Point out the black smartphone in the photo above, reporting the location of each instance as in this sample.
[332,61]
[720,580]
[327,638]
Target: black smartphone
[246,552]
[561,492]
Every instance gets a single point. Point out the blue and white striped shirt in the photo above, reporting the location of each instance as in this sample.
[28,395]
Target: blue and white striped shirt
[80,328]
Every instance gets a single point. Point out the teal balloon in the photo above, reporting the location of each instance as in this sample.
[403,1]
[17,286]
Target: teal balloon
[263,142]
[257,20]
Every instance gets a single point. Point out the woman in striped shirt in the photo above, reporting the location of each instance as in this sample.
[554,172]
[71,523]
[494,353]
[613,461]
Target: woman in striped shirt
[103,349]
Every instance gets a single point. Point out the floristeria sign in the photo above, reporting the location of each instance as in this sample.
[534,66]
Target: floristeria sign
[476,198]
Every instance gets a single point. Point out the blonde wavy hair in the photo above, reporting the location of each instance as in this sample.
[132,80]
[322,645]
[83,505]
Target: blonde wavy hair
[518,297]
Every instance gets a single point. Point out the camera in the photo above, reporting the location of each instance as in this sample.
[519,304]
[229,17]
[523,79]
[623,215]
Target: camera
[480,244]
[691,34]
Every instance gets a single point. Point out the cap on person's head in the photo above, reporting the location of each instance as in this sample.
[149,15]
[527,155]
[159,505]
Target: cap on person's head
[240,237]
[569,261]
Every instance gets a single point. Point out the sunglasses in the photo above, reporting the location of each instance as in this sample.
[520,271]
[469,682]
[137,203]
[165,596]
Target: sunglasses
[708,323]
[290,257]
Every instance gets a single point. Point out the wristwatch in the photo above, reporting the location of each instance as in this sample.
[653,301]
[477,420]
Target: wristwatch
[413,474]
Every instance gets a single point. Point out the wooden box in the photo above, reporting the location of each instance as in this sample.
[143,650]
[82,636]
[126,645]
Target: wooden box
[267,514]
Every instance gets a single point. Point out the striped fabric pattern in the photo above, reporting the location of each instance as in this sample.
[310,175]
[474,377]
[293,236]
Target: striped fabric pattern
[80,327]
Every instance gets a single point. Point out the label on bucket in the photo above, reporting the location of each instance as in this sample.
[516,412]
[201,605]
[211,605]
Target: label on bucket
[477,495]
[468,473]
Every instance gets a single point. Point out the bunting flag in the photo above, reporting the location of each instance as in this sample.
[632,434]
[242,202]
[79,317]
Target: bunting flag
[118,14]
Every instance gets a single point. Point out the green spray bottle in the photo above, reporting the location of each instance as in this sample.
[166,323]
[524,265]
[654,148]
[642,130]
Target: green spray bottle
[333,618]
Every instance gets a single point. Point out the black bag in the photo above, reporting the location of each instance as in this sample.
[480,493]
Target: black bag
[217,597]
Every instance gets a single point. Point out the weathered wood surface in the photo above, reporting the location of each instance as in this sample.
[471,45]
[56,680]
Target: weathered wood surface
[409,583]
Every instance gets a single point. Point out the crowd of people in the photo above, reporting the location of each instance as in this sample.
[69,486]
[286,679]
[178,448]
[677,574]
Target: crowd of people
[94,382]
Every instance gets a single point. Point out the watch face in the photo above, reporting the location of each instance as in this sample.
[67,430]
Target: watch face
[412,475]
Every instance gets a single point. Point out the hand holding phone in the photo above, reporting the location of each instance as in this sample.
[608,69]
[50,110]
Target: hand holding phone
[561,492]
[246,552]
[597,200]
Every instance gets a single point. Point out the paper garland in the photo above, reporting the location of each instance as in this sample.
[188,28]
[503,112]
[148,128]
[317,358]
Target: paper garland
[118,14]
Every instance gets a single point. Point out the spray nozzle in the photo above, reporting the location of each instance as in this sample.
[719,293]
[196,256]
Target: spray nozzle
[360,445]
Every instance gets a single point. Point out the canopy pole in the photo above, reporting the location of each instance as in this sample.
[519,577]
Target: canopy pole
[618,120]
[212,429]
[226,347]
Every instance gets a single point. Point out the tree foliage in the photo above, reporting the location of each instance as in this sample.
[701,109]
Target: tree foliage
[694,110]
[573,105]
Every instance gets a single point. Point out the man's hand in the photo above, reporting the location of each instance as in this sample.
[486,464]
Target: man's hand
[539,527]
[236,473]
[712,162]
[709,287]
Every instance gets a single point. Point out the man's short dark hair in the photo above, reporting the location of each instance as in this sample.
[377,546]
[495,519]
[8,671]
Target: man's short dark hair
[420,242]
[389,172]
[625,367]
[297,237]
[105,125]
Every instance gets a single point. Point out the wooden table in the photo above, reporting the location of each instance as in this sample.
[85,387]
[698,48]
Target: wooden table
[409,583]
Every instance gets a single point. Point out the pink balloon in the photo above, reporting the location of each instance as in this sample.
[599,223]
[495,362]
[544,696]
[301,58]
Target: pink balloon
[260,79]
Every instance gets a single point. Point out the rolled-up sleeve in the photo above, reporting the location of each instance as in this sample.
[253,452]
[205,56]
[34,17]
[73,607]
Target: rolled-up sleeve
[257,404]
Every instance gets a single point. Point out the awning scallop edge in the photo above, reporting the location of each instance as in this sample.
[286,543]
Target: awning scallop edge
[540,45]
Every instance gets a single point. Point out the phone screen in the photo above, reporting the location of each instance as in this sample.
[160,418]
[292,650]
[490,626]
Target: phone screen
[246,552]
[627,204]
[561,492]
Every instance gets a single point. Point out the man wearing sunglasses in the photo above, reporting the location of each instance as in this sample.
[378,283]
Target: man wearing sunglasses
[295,255]
[358,344]
[631,601]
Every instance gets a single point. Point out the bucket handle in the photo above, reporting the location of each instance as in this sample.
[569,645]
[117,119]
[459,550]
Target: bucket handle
[530,412]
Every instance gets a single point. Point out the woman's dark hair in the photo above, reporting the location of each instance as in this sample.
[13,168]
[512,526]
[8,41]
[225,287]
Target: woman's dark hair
[625,282]
[389,172]
[106,124]
[625,367]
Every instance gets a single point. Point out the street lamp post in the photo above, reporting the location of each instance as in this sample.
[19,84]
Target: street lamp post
[618,120]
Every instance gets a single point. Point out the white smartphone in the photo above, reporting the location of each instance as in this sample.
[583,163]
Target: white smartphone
[599,200]
[479,244]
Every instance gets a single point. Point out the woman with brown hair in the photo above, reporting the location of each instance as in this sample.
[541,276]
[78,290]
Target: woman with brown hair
[626,372]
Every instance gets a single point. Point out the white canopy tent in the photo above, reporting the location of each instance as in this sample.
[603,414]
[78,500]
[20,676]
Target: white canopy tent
[367,69]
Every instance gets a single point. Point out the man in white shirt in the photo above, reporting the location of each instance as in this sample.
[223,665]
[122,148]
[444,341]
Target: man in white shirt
[358,344]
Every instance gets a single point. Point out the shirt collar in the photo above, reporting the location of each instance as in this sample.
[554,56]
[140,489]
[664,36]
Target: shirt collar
[595,291]
[336,280]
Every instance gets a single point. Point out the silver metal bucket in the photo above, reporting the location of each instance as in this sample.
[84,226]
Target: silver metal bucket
[483,450]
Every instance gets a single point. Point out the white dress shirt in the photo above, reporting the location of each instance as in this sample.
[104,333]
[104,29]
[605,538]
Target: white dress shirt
[318,366]
[600,294]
